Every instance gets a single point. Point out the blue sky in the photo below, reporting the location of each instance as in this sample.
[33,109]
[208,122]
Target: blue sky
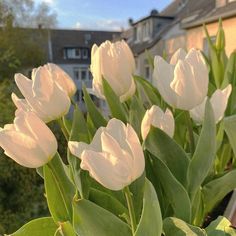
[101,14]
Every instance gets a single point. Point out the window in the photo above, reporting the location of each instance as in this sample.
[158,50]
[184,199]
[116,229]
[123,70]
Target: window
[81,73]
[147,72]
[85,53]
[76,53]
[146,31]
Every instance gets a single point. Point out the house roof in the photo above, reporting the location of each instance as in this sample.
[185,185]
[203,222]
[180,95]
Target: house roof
[227,11]
[65,38]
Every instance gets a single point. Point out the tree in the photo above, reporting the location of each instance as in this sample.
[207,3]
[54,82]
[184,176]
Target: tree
[21,189]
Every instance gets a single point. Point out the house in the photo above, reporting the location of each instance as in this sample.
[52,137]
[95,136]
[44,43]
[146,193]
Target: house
[180,25]
[71,50]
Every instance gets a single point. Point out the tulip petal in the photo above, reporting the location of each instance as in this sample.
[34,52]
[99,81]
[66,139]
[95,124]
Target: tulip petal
[106,169]
[42,84]
[180,54]
[137,152]
[22,149]
[219,101]
[117,130]
[163,75]
[76,148]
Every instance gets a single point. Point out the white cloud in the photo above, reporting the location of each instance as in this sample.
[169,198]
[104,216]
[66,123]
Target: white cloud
[49,2]
[102,24]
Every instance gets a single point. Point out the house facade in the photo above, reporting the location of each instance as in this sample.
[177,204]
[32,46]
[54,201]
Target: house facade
[71,50]
[180,25]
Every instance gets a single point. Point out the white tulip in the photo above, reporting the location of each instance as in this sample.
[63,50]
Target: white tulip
[42,94]
[62,78]
[115,63]
[114,158]
[183,83]
[157,118]
[28,141]
[218,100]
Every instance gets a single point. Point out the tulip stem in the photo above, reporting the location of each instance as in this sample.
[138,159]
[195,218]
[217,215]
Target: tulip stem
[130,208]
[190,132]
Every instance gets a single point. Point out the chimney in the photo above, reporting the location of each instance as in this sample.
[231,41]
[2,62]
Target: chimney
[220,3]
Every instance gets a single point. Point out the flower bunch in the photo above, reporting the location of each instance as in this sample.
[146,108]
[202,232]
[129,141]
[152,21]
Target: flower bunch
[155,168]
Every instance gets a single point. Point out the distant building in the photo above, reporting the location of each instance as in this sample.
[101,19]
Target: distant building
[180,25]
[71,50]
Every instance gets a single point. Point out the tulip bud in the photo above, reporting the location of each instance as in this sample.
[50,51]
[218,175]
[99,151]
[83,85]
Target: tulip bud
[62,79]
[115,63]
[157,118]
[43,95]
[220,37]
[183,85]
[219,101]
[28,141]
[114,158]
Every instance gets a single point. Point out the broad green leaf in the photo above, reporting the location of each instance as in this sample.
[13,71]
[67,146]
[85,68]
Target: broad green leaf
[198,207]
[107,201]
[90,220]
[150,174]
[163,147]
[66,229]
[95,115]
[174,190]
[136,113]
[38,227]
[79,132]
[137,190]
[176,227]
[217,189]
[230,129]
[116,107]
[204,155]
[151,221]
[219,227]
[150,90]
[59,190]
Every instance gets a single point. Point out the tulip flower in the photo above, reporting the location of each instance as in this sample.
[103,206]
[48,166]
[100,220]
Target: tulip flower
[183,83]
[43,95]
[28,141]
[114,158]
[219,101]
[115,63]
[62,79]
[157,118]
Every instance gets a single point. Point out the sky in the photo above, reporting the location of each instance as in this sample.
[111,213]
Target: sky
[101,14]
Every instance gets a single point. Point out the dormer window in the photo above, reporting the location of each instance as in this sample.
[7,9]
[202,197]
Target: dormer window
[76,53]
[146,31]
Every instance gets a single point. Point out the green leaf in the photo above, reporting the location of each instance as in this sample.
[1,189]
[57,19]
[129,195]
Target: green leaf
[151,221]
[211,193]
[150,90]
[137,190]
[163,147]
[66,229]
[79,132]
[59,190]
[116,107]
[136,113]
[90,219]
[38,227]
[230,129]
[176,227]
[174,190]
[219,227]
[107,201]
[204,155]
[95,115]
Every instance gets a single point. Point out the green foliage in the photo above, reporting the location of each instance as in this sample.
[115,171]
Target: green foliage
[42,226]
